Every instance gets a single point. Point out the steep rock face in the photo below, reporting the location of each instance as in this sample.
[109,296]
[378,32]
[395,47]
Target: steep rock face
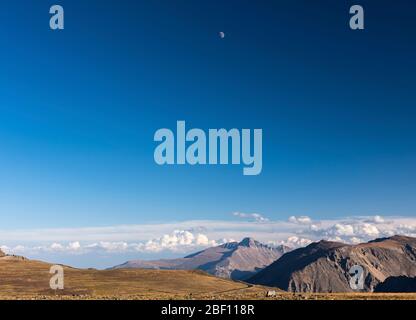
[232,260]
[2,254]
[324,266]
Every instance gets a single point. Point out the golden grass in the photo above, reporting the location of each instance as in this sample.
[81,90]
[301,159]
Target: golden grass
[26,279]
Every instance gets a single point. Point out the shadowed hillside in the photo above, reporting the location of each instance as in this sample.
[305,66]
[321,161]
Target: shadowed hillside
[397,284]
[324,266]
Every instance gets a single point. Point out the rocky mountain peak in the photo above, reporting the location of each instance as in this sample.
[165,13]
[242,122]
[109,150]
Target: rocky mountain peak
[248,242]
[235,260]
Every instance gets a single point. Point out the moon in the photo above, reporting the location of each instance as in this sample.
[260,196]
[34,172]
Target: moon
[222,35]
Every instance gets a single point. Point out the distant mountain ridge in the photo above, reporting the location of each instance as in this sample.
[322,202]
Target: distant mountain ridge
[323,266]
[234,260]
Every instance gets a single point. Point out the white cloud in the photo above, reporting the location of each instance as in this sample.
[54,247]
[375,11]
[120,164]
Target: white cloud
[300,220]
[189,236]
[335,239]
[5,249]
[119,246]
[314,227]
[57,246]
[295,242]
[74,246]
[342,230]
[375,219]
[251,216]
[378,219]
[202,240]
[179,240]
[355,240]
[367,229]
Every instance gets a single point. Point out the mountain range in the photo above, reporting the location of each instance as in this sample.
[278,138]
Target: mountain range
[389,265]
[324,266]
[234,260]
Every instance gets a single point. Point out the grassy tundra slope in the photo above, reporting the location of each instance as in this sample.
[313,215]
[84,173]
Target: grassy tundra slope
[21,278]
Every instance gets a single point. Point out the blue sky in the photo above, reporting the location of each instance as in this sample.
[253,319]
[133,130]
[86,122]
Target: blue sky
[79,108]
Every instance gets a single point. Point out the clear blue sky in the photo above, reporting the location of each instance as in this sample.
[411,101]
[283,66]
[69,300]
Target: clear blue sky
[78,109]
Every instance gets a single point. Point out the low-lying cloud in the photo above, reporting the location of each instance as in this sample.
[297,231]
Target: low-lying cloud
[251,216]
[177,241]
[189,236]
[300,220]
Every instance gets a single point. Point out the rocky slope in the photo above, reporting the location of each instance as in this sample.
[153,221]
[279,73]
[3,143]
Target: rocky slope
[324,266]
[233,260]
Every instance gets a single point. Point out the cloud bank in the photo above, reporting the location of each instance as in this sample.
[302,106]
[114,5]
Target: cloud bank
[189,236]
[251,216]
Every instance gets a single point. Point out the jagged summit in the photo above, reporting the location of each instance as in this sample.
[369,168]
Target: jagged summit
[249,242]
